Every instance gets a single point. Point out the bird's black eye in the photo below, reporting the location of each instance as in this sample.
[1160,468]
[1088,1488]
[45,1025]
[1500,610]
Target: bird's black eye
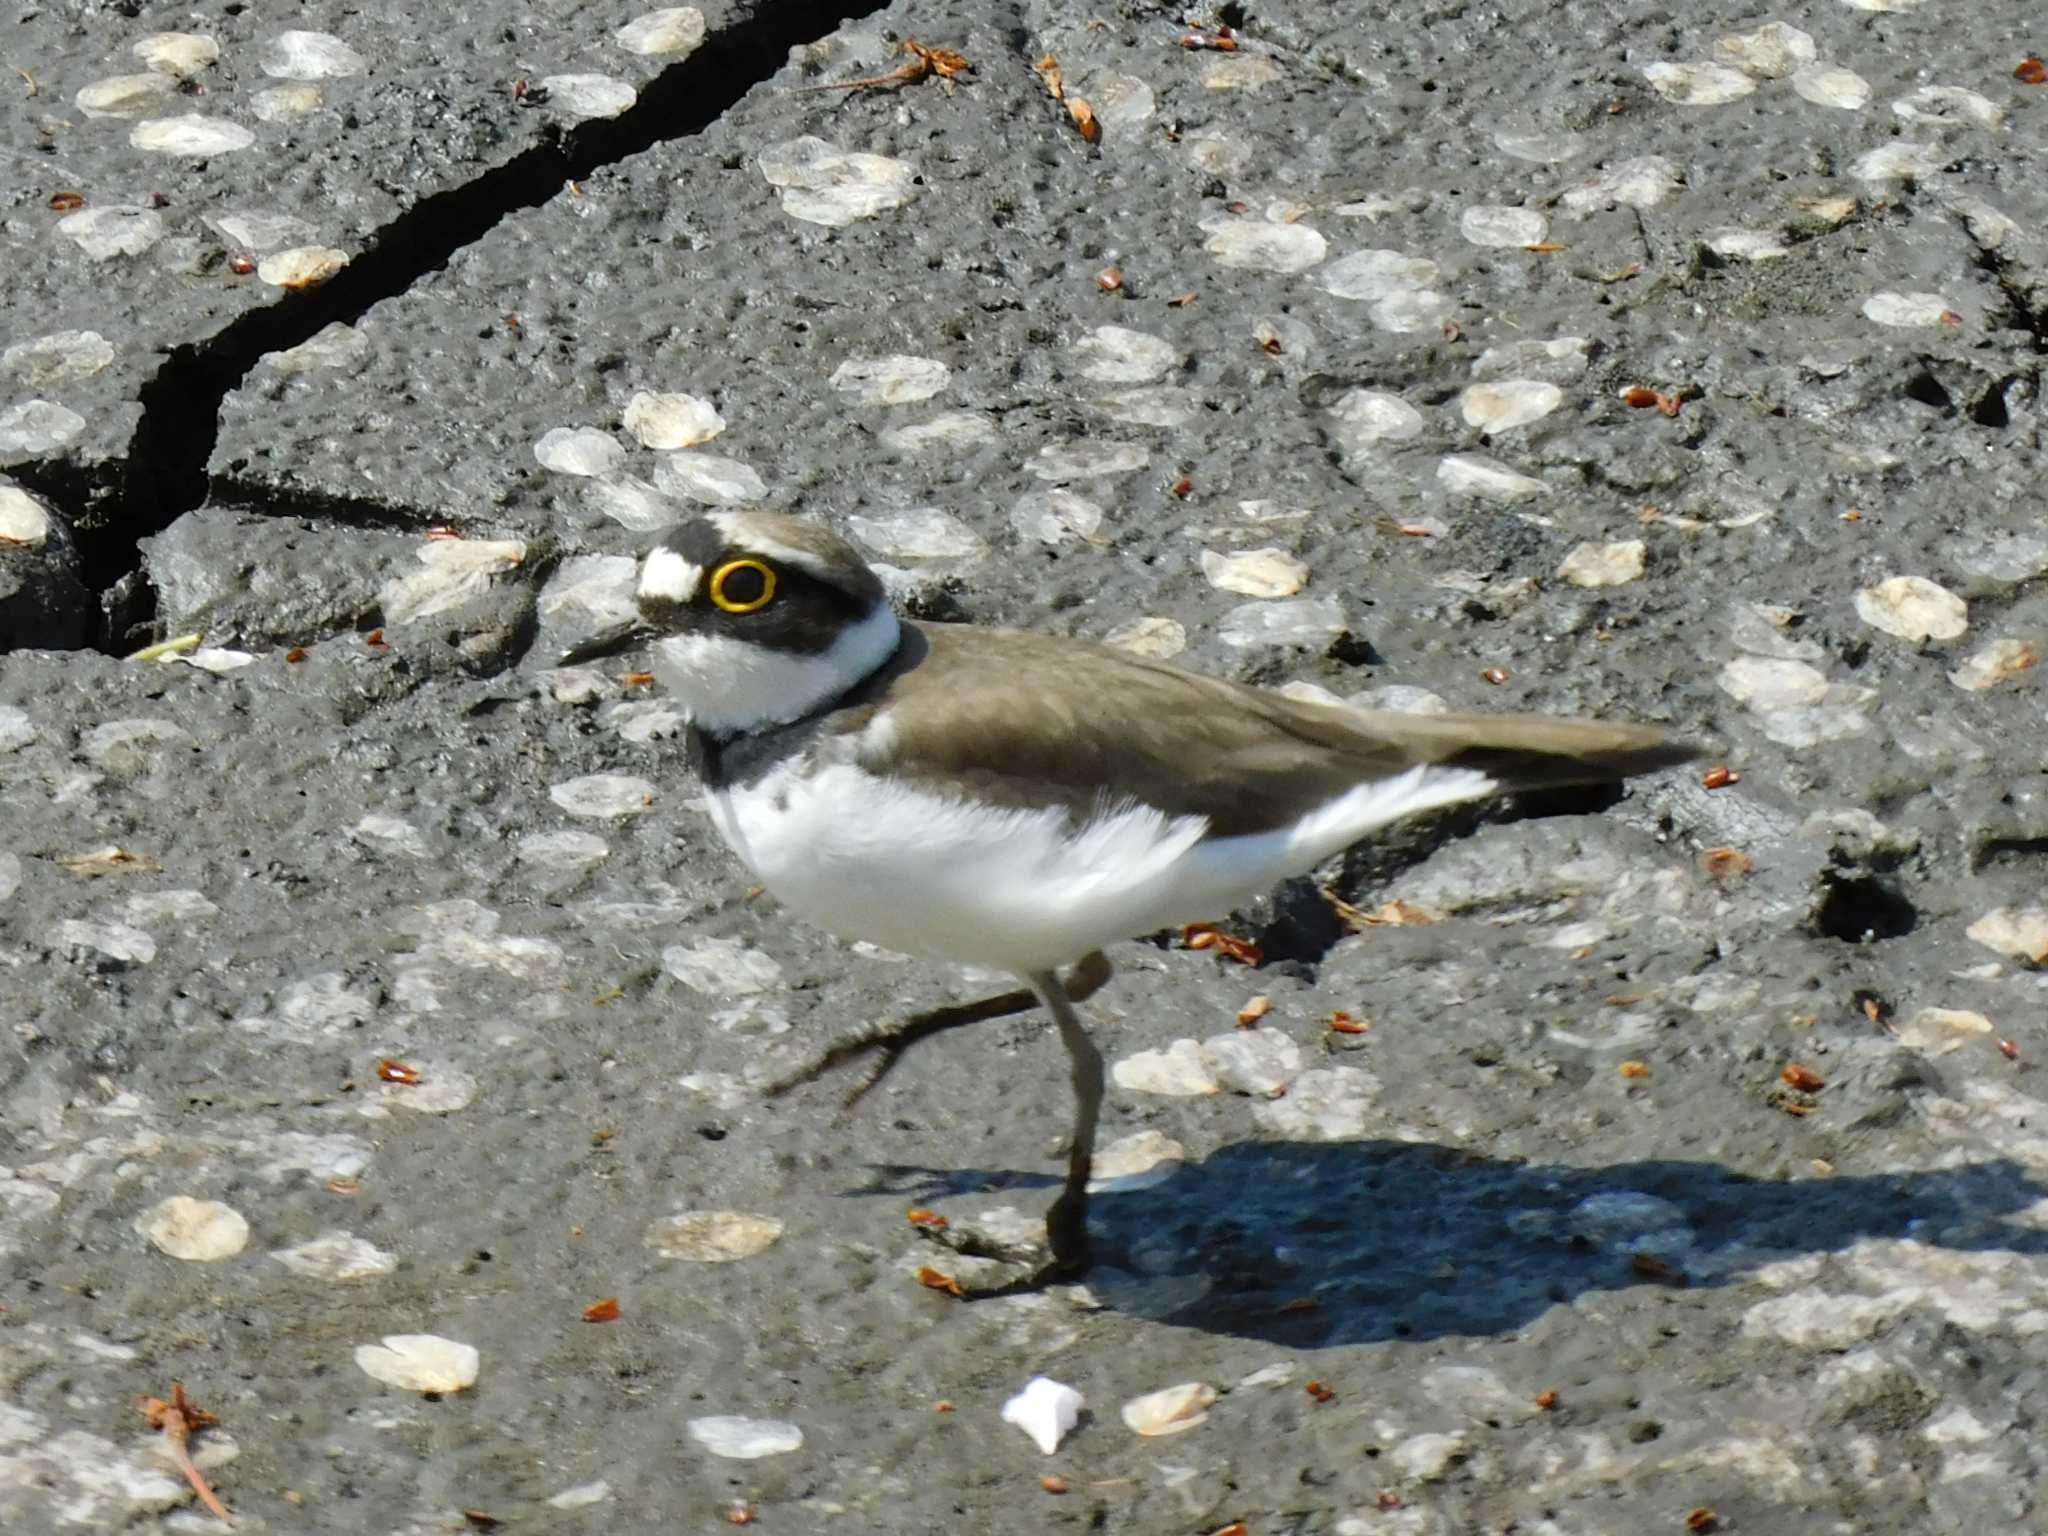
[742,586]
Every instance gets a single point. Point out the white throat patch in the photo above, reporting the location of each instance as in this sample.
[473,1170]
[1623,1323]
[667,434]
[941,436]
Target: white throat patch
[730,686]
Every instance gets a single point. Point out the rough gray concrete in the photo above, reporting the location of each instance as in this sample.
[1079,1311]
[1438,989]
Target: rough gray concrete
[1560,1242]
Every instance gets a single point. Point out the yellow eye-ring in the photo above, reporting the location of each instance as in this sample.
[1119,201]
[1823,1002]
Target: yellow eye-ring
[743,586]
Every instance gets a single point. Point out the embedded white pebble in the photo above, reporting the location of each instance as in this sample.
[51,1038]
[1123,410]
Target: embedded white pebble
[1376,274]
[1938,1031]
[178,54]
[675,30]
[641,723]
[1538,146]
[1290,621]
[441,1090]
[594,589]
[2003,557]
[897,379]
[949,431]
[1913,608]
[1828,85]
[62,357]
[1217,154]
[1899,161]
[336,1257]
[37,426]
[1772,683]
[1747,244]
[24,522]
[1883,6]
[1114,354]
[1471,474]
[823,184]
[921,533]
[1161,405]
[709,478]
[117,941]
[567,850]
[309,56]
[392,832]
[1402,698]
[1603,565]
[1999,662]
[1559,360]
[128,746]
[1258,1062]
[1086,459]
[579,451]
[2021,932]
[1285,337]
[303,266]
[17,730]
[1493,224]
[197,1231]
[10,874]
[581,1495]
[282,103]
[1698,85]
[104,233]
[457,571]
[1046,1410]
[1508,404]
[190,134]
[667,421]
[1909,309]
[582,97]
[1053,517]
[1149,635]
[713,1237]
[1240,72]
[1771,52]
[1120,101]
[723,968]
[1643,182]
[604,794]
[1180,1069]
[631,503]
[335,345]
[1255,572]
[1327,1104]
[1361,418]
[744,1439]
[167,907]
[1252,245]
[261,229]
[1170,1410]
[216,659]
[1141,1160]
[124,95]
[1626,1215]
[420,1362]
[1948,106]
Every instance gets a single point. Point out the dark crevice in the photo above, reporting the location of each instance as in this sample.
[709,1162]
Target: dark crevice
[2007,850]
[181,402]
[1861,909]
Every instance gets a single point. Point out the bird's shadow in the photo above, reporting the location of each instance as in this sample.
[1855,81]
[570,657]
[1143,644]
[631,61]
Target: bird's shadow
[1310,1245]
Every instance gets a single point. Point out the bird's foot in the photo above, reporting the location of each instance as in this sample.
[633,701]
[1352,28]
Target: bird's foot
[1005,1253]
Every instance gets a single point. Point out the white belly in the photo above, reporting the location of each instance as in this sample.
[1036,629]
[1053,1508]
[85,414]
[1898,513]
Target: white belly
[952,879]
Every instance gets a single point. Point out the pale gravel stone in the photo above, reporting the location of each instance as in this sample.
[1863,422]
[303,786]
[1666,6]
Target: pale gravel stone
[1471,474]
[24,522]
[1181,1069]
[1326,1104]
[1258,1062]
[1771,52]
[1766,683]
[1149,635]
[1747,244]
[302,266]
[1113,354]
[1625,1216]
[744,1439]
[442,1090]
[604,794]
[596,589]
[125,95]
[2003,557]
[947,432]
[669,421]
[1426,1458]
[1909,309]
[578,451]
[1642,182]
[1999,662]
[1559,360]
[1377,274]
[1362,418]
[1284,336]
[1045,1410]
[1938,1031]
[1252,245]
[190,134]
[645,722]
[259,229]
[391,832]
[894,380]
[337,1257]
[2021,932]
[631,503]
[454,572]
[579,98]
[708,478]
[1217,154]
[1604,565]
[1821,1320]
[1899,161]
[1142,1160]
[1829,85]
[1948,106]
[1698,85]
[1120,101]
[920,533]
[197,1231]
[1913,608]
[130,746]
[282,103]
[104,233]
[723,968]
[1170,1410]
[1055,516]
[1086,459]
[1290,621]
[1540,147]
[1496,225]
[62,357]
[1884,6]
[677,30]
[1508,404]
[420,1362]
[167,907]
[1255,572]
[1403,699]
[309,56]
[581,1496]
[37,427]
[822,184]
[181,55]
[335,345]
[1239,72]
[10,874]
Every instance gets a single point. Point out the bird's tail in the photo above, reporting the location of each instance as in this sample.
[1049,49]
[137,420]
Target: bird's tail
[1534,751]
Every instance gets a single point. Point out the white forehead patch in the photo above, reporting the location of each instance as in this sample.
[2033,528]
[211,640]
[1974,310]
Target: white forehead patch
[668,576]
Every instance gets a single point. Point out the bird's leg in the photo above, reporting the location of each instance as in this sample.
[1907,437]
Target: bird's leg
[891,1042]
[1066,1226]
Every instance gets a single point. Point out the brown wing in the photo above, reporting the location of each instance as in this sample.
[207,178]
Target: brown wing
[1026,718]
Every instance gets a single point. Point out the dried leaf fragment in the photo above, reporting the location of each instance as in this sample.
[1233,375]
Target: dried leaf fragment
[1494,675]
[931,1221]
[739,1512]
[1254,1010]
[605,1311]
[64,202]
[107,861]
[1634,1069]
[1209,936]
[938,1280]
[295,655]
[1647,1266]
[1720,776]
[2009,1049]
[1052,1482]
[2031,71]
[176,1420]
[1805,1079]
[391,1070]
[1319,1392]
[1726,863]
[1701,1520]
[1547,1399]
[1110,279]
[1341,1023]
